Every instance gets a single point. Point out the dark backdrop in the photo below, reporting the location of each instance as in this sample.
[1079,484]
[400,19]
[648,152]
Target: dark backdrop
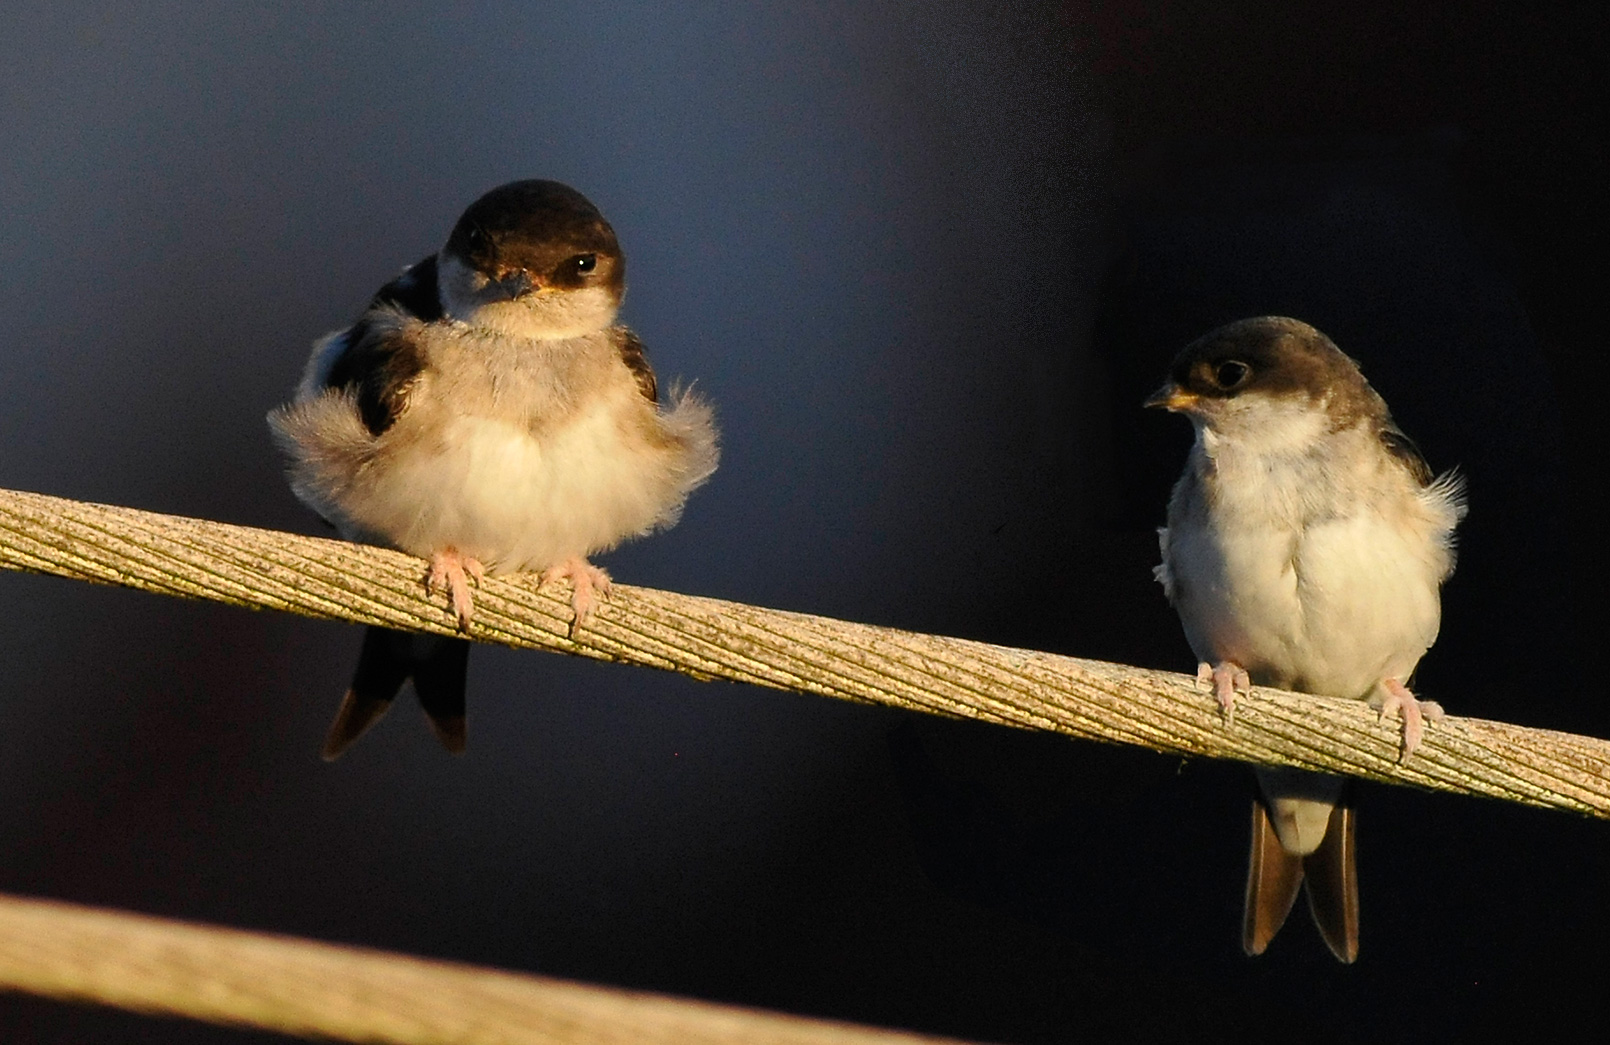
[927,259]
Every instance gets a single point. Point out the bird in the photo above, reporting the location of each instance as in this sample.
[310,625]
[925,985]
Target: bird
[487,414]
[1306,546]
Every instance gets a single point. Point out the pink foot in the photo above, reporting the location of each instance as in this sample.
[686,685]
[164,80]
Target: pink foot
[588,583]
[447,571]
[1227,679]
[1413,712]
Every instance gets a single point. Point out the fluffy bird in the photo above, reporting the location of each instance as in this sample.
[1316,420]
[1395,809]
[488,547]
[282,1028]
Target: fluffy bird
[1306,546]
[485,413]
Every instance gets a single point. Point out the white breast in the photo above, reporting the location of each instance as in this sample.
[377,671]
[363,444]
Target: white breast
[1309,578]
[492,490]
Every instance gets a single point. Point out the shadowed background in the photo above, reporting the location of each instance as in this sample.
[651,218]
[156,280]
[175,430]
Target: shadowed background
[926,260]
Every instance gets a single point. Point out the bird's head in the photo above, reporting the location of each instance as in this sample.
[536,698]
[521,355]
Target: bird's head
[1266,380]
[533,259]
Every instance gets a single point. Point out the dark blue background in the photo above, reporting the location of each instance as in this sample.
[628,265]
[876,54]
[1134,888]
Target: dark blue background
[926,260]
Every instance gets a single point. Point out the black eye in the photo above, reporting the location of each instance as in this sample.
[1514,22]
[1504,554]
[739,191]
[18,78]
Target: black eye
[584,264]
[476,239]
[1229,375]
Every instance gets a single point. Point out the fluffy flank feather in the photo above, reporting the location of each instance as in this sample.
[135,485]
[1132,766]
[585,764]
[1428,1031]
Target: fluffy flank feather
[325,442]
[690,420]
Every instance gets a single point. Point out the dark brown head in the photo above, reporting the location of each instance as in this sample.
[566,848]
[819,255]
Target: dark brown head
[1268,360]
[533,254]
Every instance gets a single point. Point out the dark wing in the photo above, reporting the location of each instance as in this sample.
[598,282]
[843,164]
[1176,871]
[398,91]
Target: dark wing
[380,365]
[632,354]
[414,292]
[1407,454]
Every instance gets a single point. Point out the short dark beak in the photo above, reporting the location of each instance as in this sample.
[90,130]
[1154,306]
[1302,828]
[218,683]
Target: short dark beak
[515,284]
[1170,397]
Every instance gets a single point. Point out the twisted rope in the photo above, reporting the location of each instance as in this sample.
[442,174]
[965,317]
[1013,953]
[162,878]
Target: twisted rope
[714,639]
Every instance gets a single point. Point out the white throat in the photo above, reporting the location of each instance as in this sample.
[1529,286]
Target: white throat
[1263,428]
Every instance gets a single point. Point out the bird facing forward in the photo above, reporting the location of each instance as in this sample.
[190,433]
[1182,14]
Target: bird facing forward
[1307,541]
[486,414]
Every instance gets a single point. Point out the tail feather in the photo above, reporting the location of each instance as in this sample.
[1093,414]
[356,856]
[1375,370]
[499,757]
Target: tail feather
[389,658]
[1273,878]
[1332,876]
[356,716]
[439,681]
[1275,874]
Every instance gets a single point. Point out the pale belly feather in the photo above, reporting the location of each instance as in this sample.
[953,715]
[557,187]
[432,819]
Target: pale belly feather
[493,491]
[1332,610]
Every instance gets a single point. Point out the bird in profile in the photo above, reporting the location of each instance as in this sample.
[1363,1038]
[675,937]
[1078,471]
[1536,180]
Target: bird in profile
[1306,547]
[487,414]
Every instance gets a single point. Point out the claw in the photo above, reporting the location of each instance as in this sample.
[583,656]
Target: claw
[451,571]
[588,584]
[1413,712]
[1227,679]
